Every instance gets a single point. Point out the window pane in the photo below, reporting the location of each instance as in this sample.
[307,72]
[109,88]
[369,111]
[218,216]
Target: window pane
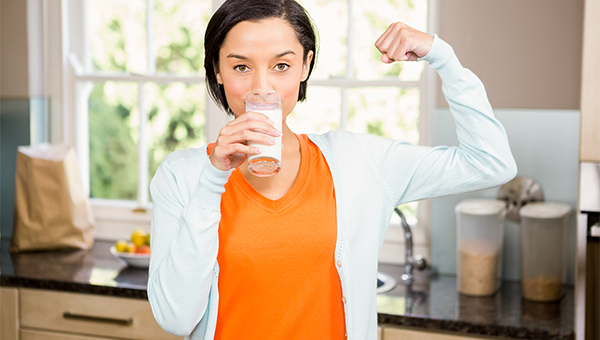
[118,35]
[390,112]
[319,113]
[370,21]
[331,19]
[113,118]
[176,119]
[179,35]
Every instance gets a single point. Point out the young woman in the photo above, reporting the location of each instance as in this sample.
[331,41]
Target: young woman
[294,256]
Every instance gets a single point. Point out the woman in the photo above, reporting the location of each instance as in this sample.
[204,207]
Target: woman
[294,256]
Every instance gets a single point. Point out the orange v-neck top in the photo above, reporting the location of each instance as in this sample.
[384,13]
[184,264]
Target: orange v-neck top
[277,276]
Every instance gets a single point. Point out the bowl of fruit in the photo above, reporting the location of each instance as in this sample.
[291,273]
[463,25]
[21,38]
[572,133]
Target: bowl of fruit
[135,252]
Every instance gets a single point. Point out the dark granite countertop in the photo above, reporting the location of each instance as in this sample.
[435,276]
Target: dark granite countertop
[94,271]
[431,303]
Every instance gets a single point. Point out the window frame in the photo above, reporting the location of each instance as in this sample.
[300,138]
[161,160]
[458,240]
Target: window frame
[68,83]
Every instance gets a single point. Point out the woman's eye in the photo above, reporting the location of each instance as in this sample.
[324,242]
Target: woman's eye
[282,67]
[241,68]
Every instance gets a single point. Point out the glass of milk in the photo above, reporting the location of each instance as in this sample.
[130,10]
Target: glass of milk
[268,162]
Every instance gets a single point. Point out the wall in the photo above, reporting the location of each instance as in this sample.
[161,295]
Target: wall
[14,131]
[528,55]
[14,72]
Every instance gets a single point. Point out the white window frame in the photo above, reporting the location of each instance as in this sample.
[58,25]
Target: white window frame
[68,83]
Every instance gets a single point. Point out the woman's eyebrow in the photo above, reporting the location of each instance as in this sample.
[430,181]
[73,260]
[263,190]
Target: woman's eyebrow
[285,53]
[237,56]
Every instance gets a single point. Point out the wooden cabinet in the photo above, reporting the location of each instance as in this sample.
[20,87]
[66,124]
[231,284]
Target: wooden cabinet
[29,334]
[9,313]
[35,314]
[590,84]
[396,333]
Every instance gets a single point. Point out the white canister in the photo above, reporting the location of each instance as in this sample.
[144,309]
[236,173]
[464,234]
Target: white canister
[543,228]
[480,233]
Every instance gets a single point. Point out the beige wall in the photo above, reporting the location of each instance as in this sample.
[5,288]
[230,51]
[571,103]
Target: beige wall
[527,53]
[13,49]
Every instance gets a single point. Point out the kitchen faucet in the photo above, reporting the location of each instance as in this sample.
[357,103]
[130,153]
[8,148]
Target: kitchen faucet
[410,261]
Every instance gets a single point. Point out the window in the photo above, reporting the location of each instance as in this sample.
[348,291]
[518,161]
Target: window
[133,90]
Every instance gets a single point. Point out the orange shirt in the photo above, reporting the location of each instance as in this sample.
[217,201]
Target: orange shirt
[277,275]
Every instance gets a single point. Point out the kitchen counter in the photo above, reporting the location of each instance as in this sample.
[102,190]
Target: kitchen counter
[431,303]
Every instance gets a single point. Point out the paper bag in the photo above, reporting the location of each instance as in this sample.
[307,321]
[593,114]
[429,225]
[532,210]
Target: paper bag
[52,210]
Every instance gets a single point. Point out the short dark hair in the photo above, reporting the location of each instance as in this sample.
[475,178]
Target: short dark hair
[233,12]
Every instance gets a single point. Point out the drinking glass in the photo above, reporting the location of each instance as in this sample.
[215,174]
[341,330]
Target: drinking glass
[268,162]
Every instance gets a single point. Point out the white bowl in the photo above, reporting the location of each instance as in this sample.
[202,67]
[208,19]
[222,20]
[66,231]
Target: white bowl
[131,259]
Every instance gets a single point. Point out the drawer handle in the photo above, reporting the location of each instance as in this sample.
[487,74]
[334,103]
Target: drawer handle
[123,322]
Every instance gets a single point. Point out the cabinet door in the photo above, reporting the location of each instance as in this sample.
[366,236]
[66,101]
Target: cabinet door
[92,315]
[409,334]
[590,84]
[29,334]
[9,313]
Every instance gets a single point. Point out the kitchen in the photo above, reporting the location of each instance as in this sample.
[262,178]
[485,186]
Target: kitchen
[537,95]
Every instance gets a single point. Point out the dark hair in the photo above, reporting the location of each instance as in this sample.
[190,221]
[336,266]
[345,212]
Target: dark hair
[233,12]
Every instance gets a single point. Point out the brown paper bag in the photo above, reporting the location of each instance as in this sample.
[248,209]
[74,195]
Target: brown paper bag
[52,210]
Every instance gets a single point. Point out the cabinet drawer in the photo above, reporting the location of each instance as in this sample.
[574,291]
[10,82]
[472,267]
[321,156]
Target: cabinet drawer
[89,315]
[29,334]
[391,333]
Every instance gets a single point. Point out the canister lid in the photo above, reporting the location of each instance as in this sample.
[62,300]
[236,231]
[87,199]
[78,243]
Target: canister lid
[481,207]
[545,210]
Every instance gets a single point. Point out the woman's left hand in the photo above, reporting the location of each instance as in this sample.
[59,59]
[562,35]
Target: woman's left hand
[401,42]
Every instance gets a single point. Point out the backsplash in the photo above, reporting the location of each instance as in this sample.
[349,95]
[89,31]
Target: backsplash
[23,121]
[545,144]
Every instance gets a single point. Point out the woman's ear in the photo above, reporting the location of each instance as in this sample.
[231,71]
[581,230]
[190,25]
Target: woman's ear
[217,73]
[306,66]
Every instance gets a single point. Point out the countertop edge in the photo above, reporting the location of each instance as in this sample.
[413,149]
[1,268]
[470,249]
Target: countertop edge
[74,287]
[463,327]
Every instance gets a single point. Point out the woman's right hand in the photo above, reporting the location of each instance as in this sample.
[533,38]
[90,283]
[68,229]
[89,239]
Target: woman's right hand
[232,149]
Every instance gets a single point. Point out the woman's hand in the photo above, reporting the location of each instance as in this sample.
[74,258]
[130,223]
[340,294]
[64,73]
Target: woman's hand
[231,149]
[401,42]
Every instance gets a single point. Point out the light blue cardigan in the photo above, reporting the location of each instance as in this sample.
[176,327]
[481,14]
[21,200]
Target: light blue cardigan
[371,176]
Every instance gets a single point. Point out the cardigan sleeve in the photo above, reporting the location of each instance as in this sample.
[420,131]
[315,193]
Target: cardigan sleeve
[186,192]
[481,160]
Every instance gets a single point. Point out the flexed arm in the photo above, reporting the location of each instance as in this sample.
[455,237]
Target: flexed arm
[481,160]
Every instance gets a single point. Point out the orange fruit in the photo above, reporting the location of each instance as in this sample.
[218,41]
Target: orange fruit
[131,247]
[145,249]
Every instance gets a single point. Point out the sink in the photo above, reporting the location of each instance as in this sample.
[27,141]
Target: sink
[385,283]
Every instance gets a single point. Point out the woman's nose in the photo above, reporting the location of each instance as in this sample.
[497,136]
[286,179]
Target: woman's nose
[261,81]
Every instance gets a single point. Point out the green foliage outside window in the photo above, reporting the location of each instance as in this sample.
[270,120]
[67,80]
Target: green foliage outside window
[113,150]
[175,110]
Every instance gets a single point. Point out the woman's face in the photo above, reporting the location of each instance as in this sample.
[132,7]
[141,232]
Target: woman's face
[262,55]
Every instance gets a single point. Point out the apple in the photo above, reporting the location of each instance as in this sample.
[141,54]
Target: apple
[138,237]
